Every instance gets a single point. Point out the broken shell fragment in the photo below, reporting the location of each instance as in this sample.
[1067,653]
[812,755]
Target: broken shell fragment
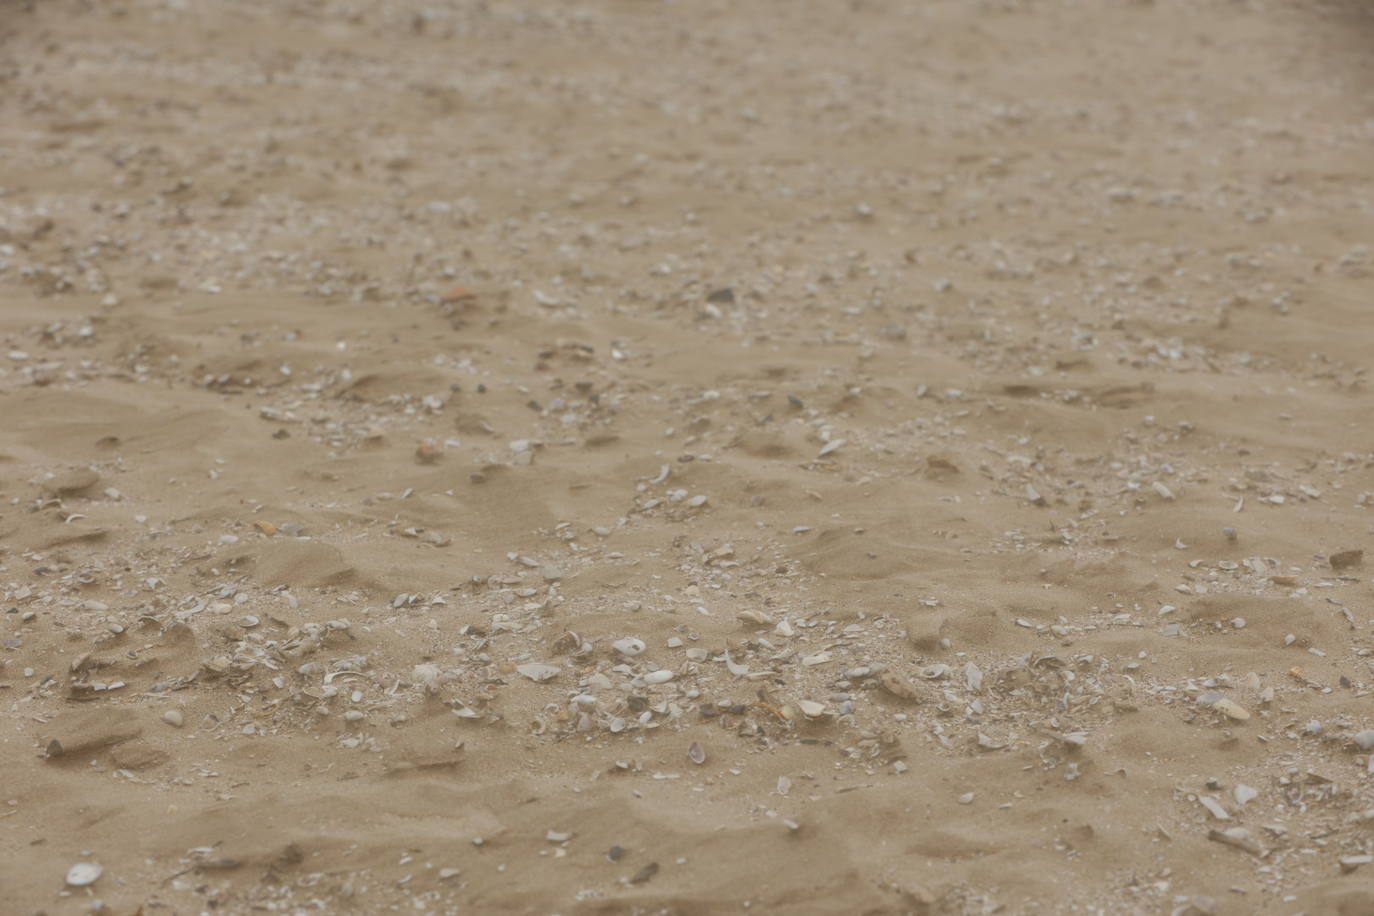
[628,646]
[973,676]
[538,672]
[1224,705]
[898,686]
[1239,837]
[1350,863]
[1214,807]
[1231,709]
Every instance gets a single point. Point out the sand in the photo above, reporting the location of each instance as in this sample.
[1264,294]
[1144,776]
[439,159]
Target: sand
[688,458]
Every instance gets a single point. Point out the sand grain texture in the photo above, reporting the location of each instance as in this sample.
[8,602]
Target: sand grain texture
[965,403]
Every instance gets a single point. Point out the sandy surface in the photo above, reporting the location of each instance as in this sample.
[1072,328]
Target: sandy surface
[921,444]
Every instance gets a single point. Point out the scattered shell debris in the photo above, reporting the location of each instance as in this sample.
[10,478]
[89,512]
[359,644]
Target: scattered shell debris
[416,499]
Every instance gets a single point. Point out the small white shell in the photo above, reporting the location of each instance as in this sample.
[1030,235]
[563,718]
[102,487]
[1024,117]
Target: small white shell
[973,676]
[1231,709]
[84,873]
[628,646]
[662,676]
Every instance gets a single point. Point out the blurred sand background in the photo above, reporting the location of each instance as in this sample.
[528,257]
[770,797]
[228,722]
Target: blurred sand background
[930,441]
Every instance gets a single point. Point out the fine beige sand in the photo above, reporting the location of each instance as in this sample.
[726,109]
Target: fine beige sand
[629,457]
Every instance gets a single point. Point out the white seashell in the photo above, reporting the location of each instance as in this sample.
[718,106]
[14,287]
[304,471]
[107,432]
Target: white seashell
[736,669]
[1231,709]
[536,671]
[84,873]
[1214,807]
[973,676]
[662,676]
[628,646]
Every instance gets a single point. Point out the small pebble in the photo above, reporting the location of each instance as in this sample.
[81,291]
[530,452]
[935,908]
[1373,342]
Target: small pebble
[645,873]
[1346,559]
[174,718]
